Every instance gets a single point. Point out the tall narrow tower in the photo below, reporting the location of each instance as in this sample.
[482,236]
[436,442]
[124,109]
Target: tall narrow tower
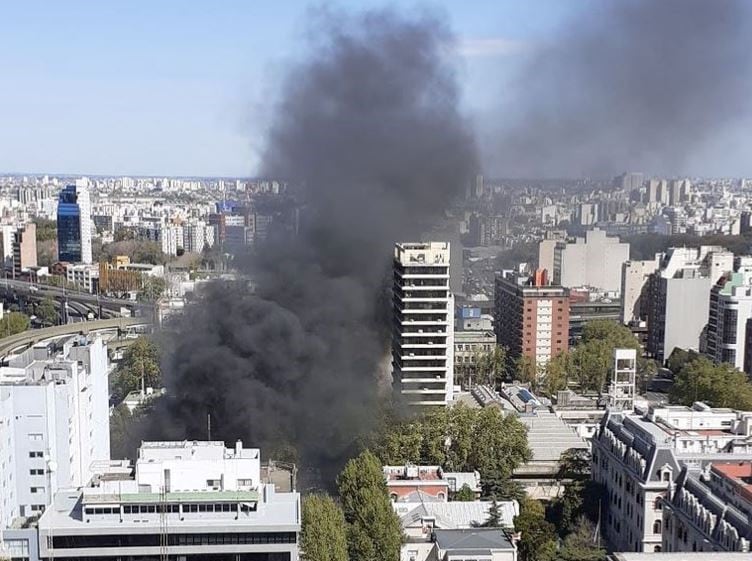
[621,392]
[423,332]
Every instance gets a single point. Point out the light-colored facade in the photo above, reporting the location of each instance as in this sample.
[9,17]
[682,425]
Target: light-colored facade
[423,333]
[634,280]
[54,418]
[185,500]
[594,261]
[24,249]
[709,509]
[730,308]
[638,457]
[468,347]
[7,237]
[679,297]
[84,276]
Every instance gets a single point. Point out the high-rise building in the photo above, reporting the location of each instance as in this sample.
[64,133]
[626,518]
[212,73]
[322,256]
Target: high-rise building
[594,261]
[634,280]
[679,297]
[423,338]
[531,316]
[24,249]
[54,422]
[730,308]
[74,225]
[189,500]
[7,237]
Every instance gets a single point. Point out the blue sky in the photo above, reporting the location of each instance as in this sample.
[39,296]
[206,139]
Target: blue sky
[182,87]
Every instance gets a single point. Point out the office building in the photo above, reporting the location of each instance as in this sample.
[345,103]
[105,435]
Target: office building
[709,509]
[54,421]
[594,261]
[184,500]
[634,281]
[637,457]
[468,347]
[679,297]
[86,277]
[531,316]
[24,249]
[730,308]
[423,338]
[74,225]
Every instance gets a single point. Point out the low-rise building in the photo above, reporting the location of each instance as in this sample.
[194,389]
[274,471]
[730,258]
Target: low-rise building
[483,544]
[187,500]
[411,483]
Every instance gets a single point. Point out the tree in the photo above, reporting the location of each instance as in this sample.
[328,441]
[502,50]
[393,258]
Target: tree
[582,543]
[574,463]
[323,536]
[46,229]
[555,375]
[526,371]
[13,323]
[679,357]
[538,536]
[491,366]
[494,515]
[141,360]
[465,494]
[152,289]
[374,531]
[46,312]
[503,487]
[718,385]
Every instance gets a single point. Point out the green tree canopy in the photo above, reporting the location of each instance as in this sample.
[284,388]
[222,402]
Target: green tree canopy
[46,229]
[581,544]
[323,533]
[538,536]
[491,366]
[152,289]
[679,357]
[494,515]
[46,312]
[459,438]
[13,323]
[465,494]
[374,531]
[718,385]
[141,359]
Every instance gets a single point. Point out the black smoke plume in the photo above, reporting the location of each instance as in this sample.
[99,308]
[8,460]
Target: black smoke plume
[369,125]
[640,85]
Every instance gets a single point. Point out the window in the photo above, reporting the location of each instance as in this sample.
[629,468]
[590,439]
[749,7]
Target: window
[658,504]
[36,472]
[245,483]
[36,454]
[37,489]
[213,482]
[36,436]
[657,527]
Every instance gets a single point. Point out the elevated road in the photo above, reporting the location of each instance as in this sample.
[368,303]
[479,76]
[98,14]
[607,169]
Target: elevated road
[33,336]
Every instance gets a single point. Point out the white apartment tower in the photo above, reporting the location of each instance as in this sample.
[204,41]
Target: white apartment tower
[54,422]
[84,205]
[423,334]
[621,392]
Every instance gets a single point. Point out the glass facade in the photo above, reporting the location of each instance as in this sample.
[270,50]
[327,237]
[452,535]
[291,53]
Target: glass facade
[69,226]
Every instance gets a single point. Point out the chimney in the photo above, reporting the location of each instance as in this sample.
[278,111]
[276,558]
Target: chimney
[238,447]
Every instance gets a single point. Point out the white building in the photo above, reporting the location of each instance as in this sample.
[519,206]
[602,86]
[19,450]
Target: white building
[84,204]
[634,280]
[185,500]
[85,276]
[679,297]
[637,457]
[194,237]
[54,422]
[171,239]
[423,341]
[594,261]
[730,308]
[7,235]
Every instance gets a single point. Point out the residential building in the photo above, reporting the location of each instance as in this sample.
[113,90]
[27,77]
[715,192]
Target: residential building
[709,509]
[7,240]
[476,543]
[187,500]
[24,249]
[730,308]
[54,421]
[421,520]
[531,316]
[74,224]
[423,331]
[639,456]
[634,282]
[594,261]
[468,347]
[685,275]
[415,484]
[84,276]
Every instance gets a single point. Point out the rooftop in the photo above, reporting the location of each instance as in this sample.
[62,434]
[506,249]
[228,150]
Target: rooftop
[740,473]
[472,540]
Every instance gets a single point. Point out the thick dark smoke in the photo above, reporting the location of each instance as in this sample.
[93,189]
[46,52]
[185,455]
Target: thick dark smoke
[641,85]
[369,125]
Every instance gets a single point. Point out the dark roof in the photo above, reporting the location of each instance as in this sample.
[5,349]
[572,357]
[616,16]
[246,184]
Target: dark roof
[472,540]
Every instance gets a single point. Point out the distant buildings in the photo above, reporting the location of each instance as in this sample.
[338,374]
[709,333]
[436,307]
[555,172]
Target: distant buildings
[24,249]
[678,297]
[423,324]
[74,225]
[730,309]
[531,316]
[188,500]
[54,422]
[594,261]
